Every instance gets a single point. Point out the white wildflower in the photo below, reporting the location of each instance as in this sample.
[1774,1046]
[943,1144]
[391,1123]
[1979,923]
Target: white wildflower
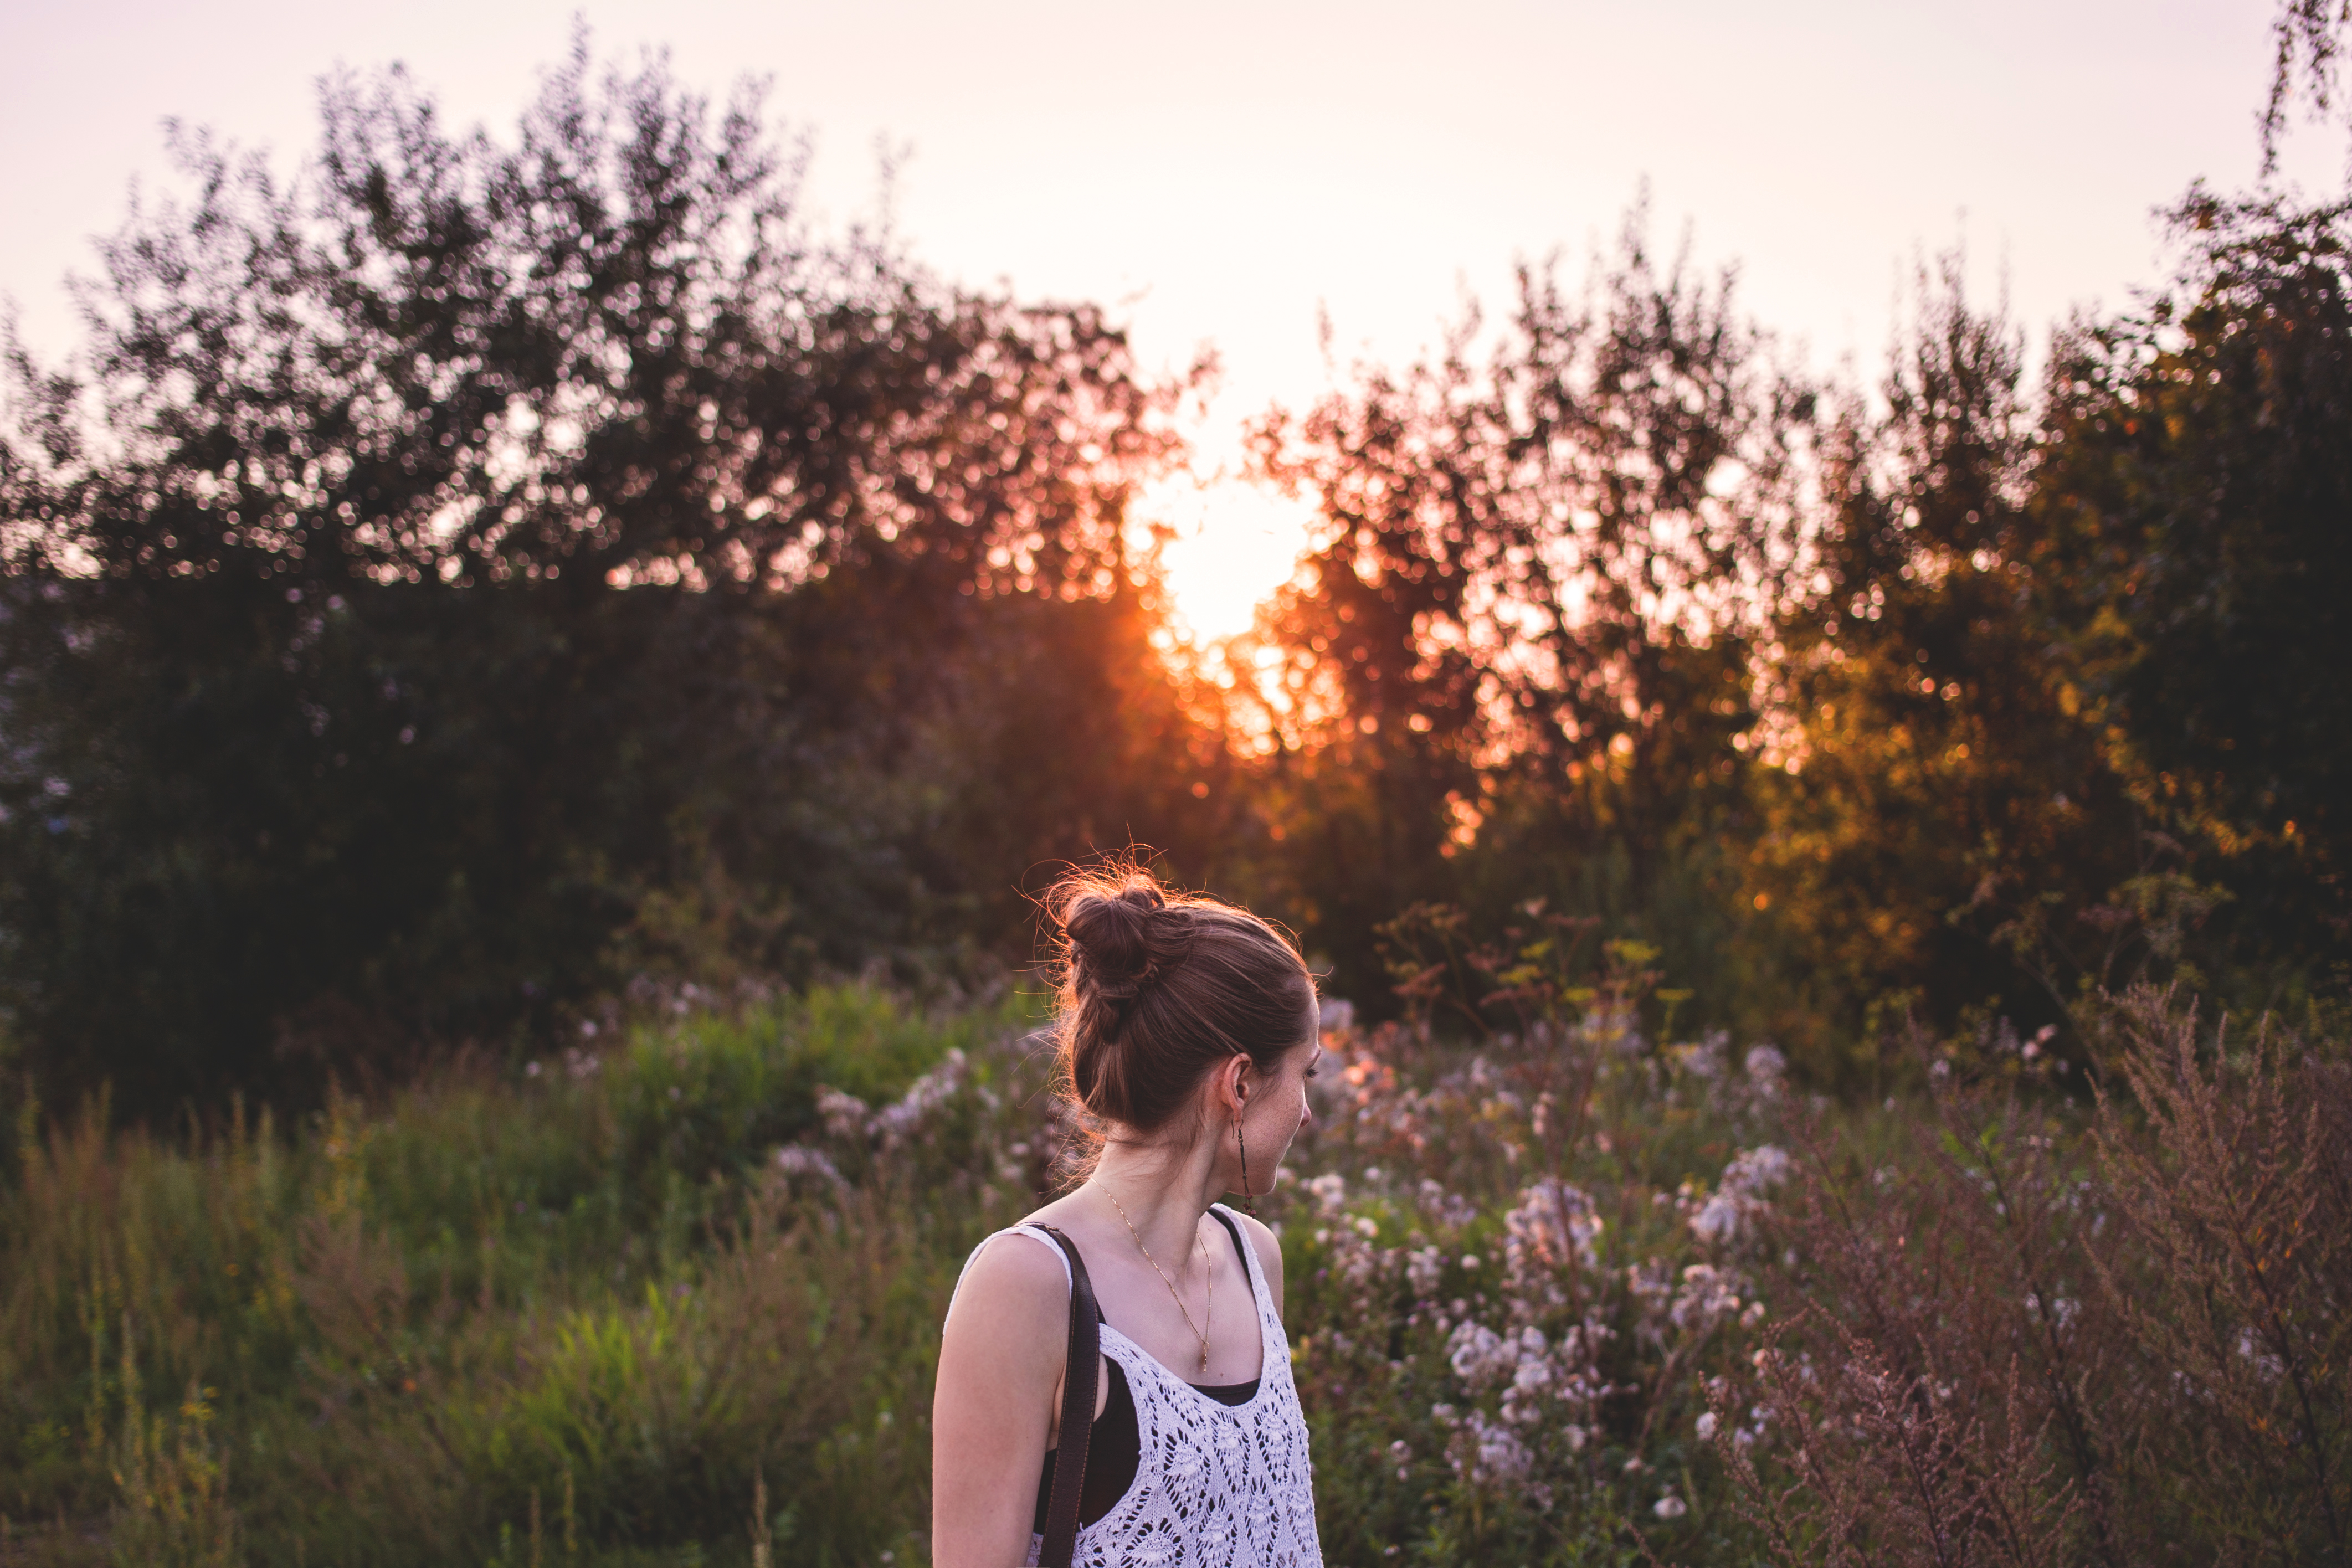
[1483,1452]
[1757,1171]
[1553,1224]
[895,1122]
[1477,1354]
[1449,1209]
[1739,1196]
[1423,1269]
[1719,1218]
[1703,1057]
[1707,1294]
[1330,1191]
[799,1159]
[844,1114]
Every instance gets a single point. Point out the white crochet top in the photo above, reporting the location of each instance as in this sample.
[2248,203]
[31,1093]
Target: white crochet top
[1216,1486]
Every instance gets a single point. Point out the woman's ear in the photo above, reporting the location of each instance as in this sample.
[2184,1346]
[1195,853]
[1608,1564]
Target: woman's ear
[1233,1078]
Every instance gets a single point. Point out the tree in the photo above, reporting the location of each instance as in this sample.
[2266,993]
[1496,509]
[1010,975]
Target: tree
[2195,510]
[1530,615]
[1935,809]
[445,549]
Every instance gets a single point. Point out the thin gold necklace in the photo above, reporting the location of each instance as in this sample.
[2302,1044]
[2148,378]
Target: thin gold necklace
[1209,1298]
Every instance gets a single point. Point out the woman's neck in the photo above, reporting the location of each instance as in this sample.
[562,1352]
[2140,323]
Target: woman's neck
[1162,1192]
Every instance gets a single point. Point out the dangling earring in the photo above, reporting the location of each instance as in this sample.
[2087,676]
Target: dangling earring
[1248,1204]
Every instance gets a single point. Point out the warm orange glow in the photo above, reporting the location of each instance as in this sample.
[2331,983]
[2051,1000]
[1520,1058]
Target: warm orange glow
[1236,543]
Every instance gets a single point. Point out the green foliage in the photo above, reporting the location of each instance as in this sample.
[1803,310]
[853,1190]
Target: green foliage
[2192,505]
[2060,1333]
[591,1281]
[473,573]
[1519,607]
[475,576]
[1938,814]
[175,1510]
[1569,1288]
[1950,702]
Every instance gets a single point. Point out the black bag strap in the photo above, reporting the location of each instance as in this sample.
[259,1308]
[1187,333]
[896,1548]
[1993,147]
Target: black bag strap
[1078,1412]
[1241,1252]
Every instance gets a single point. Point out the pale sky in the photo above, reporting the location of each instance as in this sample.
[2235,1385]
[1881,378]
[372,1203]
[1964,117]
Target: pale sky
[1224,173]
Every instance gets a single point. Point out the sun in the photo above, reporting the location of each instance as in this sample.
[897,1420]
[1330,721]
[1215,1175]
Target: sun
[1235,544]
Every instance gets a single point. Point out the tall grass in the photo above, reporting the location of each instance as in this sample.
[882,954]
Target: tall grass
[2108,1333]
[1560,1293]
[586,1294]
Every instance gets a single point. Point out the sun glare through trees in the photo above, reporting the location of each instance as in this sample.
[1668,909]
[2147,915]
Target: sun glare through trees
[1234,544]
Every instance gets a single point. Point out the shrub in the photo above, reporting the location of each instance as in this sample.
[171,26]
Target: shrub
[2097,1332]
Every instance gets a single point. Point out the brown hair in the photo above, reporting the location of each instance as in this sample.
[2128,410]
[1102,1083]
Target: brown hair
[1157,987]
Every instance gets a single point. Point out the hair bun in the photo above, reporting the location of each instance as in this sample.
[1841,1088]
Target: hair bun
[1154,988]
[1111,936]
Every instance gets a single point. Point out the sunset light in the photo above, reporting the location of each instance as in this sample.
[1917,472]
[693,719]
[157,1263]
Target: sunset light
[1236,543]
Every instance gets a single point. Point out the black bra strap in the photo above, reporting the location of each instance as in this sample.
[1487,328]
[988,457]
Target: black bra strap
[1078,1412]
[1240,1247]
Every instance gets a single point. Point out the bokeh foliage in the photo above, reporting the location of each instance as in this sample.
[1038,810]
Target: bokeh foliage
[467,575]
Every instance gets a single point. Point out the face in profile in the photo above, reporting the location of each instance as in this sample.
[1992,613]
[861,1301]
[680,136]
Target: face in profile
[1277,1109]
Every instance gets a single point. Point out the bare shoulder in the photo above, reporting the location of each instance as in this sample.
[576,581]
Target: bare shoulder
[1269,1252]
[1000,1362]
[1015,1285]
[1012,1310]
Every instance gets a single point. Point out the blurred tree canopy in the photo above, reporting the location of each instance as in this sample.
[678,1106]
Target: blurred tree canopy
[468,574]
[1530,619]
[1954,702]
[2197,546]
[446,551]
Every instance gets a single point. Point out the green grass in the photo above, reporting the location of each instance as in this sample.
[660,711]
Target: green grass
[395,1326]
[1538,1286]
[590,1295]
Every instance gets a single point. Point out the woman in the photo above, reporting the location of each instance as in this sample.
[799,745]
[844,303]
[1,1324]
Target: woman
[1187,1029]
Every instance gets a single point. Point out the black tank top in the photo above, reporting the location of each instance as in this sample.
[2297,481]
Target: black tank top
[1115,1448]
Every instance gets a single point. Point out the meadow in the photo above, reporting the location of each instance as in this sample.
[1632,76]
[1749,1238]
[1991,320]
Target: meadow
[1572,1291]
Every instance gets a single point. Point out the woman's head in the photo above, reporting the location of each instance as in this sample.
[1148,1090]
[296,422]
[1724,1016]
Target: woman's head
[1160,990]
